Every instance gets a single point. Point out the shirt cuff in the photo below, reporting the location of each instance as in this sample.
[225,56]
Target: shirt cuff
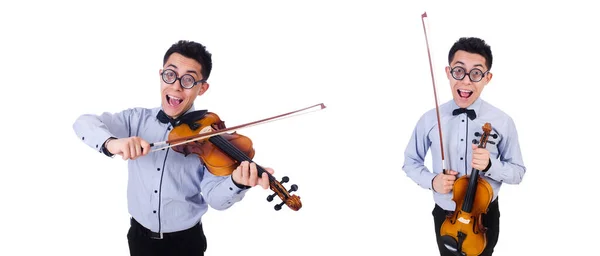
[96,141]
[240,186]
[491,170]
[233,187]
[105,150]
[427,180]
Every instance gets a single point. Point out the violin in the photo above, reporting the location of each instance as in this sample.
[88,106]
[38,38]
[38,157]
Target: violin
[463,230]
[222,151]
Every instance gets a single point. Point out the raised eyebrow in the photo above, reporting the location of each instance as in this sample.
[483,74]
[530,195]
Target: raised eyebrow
[192,71]
[476,65]
[459,62]
[189,71]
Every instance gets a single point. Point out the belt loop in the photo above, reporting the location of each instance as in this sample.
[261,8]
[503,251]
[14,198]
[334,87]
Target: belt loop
[153,235]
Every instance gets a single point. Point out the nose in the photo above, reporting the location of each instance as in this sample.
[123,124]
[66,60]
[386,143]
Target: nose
[467,79]
[176,85]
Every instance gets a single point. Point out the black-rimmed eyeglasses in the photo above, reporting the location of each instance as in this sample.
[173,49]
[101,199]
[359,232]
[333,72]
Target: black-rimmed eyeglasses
[475,74]
[186,81]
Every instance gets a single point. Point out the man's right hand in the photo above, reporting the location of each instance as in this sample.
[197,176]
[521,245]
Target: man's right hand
[128,148]
[443,183]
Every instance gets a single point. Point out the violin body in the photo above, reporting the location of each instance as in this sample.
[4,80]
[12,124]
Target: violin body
[463,230]
[223,153]
[216,160]
[461,224]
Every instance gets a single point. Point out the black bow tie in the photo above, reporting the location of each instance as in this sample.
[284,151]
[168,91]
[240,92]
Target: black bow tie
[470,113]
[189,118]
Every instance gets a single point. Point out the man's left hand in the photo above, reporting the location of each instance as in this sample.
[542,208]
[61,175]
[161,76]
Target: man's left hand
[247,174]
[481,158]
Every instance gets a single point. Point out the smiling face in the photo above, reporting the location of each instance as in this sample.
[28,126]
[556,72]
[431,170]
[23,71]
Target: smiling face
[465,91]
[175,99]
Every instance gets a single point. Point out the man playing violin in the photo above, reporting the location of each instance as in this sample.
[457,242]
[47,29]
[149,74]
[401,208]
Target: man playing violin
[470,61]
[167,193]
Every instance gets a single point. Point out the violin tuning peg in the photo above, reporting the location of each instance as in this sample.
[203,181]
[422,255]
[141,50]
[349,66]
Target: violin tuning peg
[477,134]
[270,197]
[495,136]
[293,188]
[475,141]
[278,206]
[491,142]
[284,179]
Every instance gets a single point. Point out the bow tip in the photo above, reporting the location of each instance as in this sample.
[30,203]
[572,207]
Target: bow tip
[424,15]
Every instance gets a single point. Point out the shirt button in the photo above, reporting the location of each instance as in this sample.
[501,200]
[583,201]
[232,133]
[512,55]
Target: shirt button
[82,138]
[169,128]
[230,188]
[155,191]
[154,211]
[461,158]
[463,121]
[158,169]
[461,139]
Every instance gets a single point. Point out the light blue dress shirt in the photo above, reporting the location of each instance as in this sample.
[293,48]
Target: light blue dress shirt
[166,191]
[458,133]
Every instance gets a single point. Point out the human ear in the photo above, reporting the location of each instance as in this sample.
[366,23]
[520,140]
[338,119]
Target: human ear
[203,88]
[488,77]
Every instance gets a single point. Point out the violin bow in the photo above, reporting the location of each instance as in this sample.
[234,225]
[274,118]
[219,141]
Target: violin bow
[437,109]
[192,138]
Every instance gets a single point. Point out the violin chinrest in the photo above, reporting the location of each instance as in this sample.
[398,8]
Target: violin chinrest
[450,243]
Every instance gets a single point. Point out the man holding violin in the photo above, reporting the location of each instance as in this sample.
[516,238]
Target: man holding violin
[470,61]
[168,193]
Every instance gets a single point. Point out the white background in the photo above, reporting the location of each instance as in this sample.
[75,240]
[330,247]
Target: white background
[366,60]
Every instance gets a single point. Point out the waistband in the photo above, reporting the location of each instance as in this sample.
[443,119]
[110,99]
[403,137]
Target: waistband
[161,235]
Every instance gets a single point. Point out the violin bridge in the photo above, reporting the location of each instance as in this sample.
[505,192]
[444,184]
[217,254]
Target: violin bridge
[463,220]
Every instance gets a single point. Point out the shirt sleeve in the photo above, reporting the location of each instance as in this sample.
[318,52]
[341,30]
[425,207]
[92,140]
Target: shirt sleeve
[414,156]
[219,191]
[94,130]
[508,167]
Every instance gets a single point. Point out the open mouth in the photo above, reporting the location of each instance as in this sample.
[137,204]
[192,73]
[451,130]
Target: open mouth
[464,93]
[173,101]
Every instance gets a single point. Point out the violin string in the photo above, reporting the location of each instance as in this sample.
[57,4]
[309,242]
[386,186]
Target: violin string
[238,155]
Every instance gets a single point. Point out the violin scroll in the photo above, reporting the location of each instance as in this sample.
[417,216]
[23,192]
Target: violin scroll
[487,129]
[292,201]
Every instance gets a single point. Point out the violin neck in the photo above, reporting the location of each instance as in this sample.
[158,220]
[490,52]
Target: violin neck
[236,154]
[471,190]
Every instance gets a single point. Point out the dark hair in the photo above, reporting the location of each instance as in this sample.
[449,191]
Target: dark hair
[472,45]
[194,51]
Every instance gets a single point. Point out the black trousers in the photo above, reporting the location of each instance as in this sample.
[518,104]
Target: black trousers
[491,221]
[186,242]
